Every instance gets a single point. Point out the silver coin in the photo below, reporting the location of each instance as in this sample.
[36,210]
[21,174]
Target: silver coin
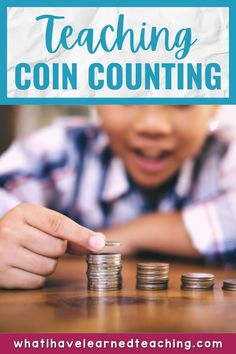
[104,285]
[151,287]
[152,274]
[104,275]
[110,271]
[199,276]
[142,271]
[148,276]
[113,244]
[152,278]
[227,288]
[104,289]
[110,268]
[104,272]
[104,268]
[157,281]
[197,286]
[103,255]
[103,259]
[99,257]
[152,282]
[104,280]
[104,265]
[197,281]
[153,265]
[230,282]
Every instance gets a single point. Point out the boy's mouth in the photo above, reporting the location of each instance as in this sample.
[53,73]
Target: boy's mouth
[151,161]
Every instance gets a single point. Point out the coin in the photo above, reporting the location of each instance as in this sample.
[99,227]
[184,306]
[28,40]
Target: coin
[152,276]
[197,281]
[152,286]
[103,274]
[98,278]
[105,288]
[103,257]
[152,280]
[229,285]
[198,276]
[113,244]
[106,256]
[198,286]
[152,265]
[104,271]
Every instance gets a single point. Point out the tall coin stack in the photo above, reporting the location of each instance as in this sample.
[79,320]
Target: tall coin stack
[152,276]
[104,270]
[197,281]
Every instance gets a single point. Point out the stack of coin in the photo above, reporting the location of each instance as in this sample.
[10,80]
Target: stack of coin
[104,270]
[152,276]
[197,281]
[229,285]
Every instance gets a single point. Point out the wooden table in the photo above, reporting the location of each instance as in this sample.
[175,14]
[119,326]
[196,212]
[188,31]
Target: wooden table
[65,305]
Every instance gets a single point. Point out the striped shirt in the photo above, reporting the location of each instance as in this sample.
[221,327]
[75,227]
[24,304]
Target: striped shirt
[70,167]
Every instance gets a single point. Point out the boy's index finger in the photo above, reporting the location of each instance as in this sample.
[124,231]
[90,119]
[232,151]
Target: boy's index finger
[59,225]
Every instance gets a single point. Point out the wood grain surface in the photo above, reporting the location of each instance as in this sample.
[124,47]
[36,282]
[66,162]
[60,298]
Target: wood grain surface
[65,304]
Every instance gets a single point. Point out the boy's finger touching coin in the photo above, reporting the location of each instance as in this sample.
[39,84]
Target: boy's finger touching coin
[58,225]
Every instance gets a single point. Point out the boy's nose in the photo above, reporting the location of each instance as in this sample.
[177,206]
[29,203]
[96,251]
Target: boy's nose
[152,121]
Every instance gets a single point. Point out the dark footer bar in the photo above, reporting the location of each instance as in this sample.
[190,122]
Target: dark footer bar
[117,343]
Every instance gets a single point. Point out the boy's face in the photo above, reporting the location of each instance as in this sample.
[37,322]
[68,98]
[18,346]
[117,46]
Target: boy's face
[154,141]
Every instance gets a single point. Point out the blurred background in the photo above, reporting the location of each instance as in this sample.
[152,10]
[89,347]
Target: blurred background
[17,121]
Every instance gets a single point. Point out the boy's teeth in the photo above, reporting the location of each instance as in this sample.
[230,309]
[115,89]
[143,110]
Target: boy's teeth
[150,156]
[153,156]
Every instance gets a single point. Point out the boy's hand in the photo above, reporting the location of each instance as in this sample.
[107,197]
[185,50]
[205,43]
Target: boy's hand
[31,240]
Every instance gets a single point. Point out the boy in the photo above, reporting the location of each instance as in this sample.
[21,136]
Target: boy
[155,177]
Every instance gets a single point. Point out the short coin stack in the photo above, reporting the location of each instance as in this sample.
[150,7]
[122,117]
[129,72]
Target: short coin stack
[229,285]
[152,276]
[104,270]
[197,281]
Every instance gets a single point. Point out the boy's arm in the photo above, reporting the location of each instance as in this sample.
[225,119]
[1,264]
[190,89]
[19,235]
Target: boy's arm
[163,233]
[206,229]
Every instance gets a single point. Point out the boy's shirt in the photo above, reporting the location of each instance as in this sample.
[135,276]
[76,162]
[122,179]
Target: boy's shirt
[70,167]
